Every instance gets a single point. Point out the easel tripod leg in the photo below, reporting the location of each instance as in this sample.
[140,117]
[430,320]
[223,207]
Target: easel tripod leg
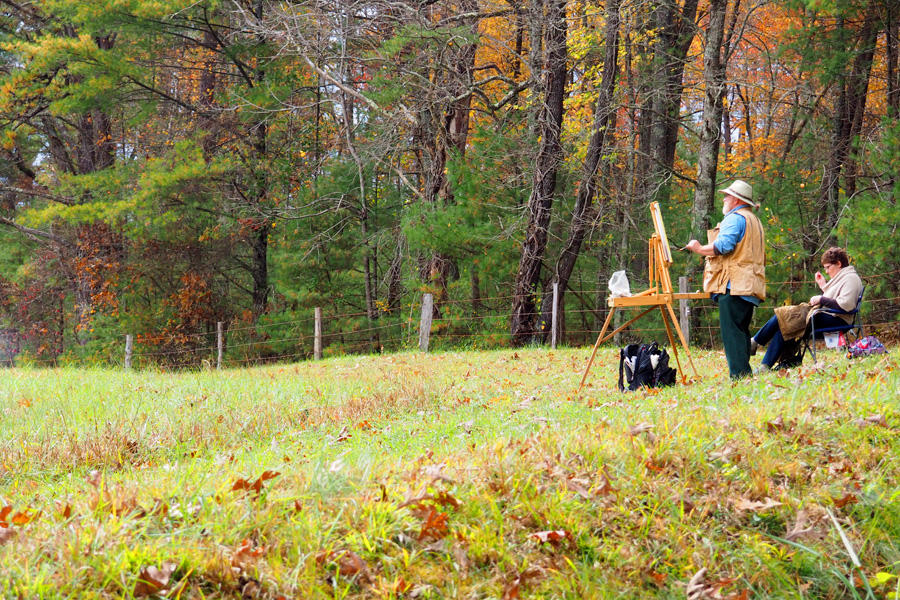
[683,341]
[596,345]
[672,343]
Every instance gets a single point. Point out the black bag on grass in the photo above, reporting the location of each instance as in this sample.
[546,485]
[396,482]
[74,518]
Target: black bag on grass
[644,365]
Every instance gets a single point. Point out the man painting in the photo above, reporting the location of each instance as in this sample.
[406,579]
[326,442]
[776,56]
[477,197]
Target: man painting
[735,272]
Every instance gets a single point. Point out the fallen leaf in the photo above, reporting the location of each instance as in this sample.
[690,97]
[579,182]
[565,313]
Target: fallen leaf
[799,529]
[246,553]
[554,538]
[872,420]
[575,485]
[256,486]
[343,435]
[653,466]
[117,502]
[23,518]
[250,589]
[434,525]
[639,428]
[461,558]
[687,505]
[847,498]
[658,579]
[348,562]
[153,580]
[603,486]
[696,587]
[511,591]
[775,425]
[398,587]
[726,454]
[445,499]
[745,504]
[436,473]
[6,535]
[95,478]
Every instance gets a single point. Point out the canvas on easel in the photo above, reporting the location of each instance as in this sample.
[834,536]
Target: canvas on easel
[659,293]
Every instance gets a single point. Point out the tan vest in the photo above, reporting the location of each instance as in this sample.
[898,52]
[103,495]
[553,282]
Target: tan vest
[744,267]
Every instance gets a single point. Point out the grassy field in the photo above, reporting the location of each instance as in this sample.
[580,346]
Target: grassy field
[455,475]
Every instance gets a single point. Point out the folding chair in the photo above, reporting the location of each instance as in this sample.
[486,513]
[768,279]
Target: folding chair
[812,333]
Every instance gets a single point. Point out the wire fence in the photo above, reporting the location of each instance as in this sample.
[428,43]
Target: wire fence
[455,323]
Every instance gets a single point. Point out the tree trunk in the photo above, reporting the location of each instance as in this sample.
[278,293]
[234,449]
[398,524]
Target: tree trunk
[604,124]
[849,108]
[549,157]
[259,268]
[675,32]
[714,67]
[893,79]
[450,139]
[260,242]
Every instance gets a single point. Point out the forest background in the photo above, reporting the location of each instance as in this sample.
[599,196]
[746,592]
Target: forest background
[170,164]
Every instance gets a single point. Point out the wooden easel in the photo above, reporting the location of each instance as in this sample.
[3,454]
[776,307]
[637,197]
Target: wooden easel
[658,294]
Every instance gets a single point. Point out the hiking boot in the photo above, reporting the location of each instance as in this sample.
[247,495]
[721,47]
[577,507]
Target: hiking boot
[754,346]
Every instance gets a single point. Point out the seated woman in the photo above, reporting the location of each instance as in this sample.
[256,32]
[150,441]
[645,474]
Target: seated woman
[841,292]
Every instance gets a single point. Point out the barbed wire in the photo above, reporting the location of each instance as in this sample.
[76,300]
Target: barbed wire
[448,317]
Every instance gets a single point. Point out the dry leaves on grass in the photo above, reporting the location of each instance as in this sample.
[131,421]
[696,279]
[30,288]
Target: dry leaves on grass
[117,501]
[343,435]
[154,580]
[511,590]
[742,504]
[640,428]
[555,538]
[8,517]
[64,510]
[246,553]
[700,588]
[348,563]
[727,454]
[7,535]
[800,528]
[778,425]
[256,486]
[847,498]
[878,420]
[435,524]
[441,499]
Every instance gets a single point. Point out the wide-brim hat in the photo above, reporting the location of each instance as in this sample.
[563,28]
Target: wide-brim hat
[742,190]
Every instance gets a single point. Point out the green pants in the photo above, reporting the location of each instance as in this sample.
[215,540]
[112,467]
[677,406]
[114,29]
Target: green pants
[735,315]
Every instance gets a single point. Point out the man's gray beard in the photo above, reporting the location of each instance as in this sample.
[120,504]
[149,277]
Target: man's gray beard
[725,209]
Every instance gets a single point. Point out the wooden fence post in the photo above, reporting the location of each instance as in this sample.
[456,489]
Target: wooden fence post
[220,343]
[554,325]
[684,309]
[129,343]
[425,322]
[317,337]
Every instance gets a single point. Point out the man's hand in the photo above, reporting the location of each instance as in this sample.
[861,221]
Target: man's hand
[695,246]
[815,300]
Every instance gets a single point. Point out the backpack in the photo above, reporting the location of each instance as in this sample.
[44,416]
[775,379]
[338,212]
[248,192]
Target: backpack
[866,346]
[645,365]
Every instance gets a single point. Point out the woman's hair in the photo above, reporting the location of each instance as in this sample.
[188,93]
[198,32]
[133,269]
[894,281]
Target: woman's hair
[836,255]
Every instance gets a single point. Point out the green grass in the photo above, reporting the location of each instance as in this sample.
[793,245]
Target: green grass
[441,476]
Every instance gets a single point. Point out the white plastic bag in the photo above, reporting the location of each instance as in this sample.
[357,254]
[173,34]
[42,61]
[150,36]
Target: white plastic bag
[618,285]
